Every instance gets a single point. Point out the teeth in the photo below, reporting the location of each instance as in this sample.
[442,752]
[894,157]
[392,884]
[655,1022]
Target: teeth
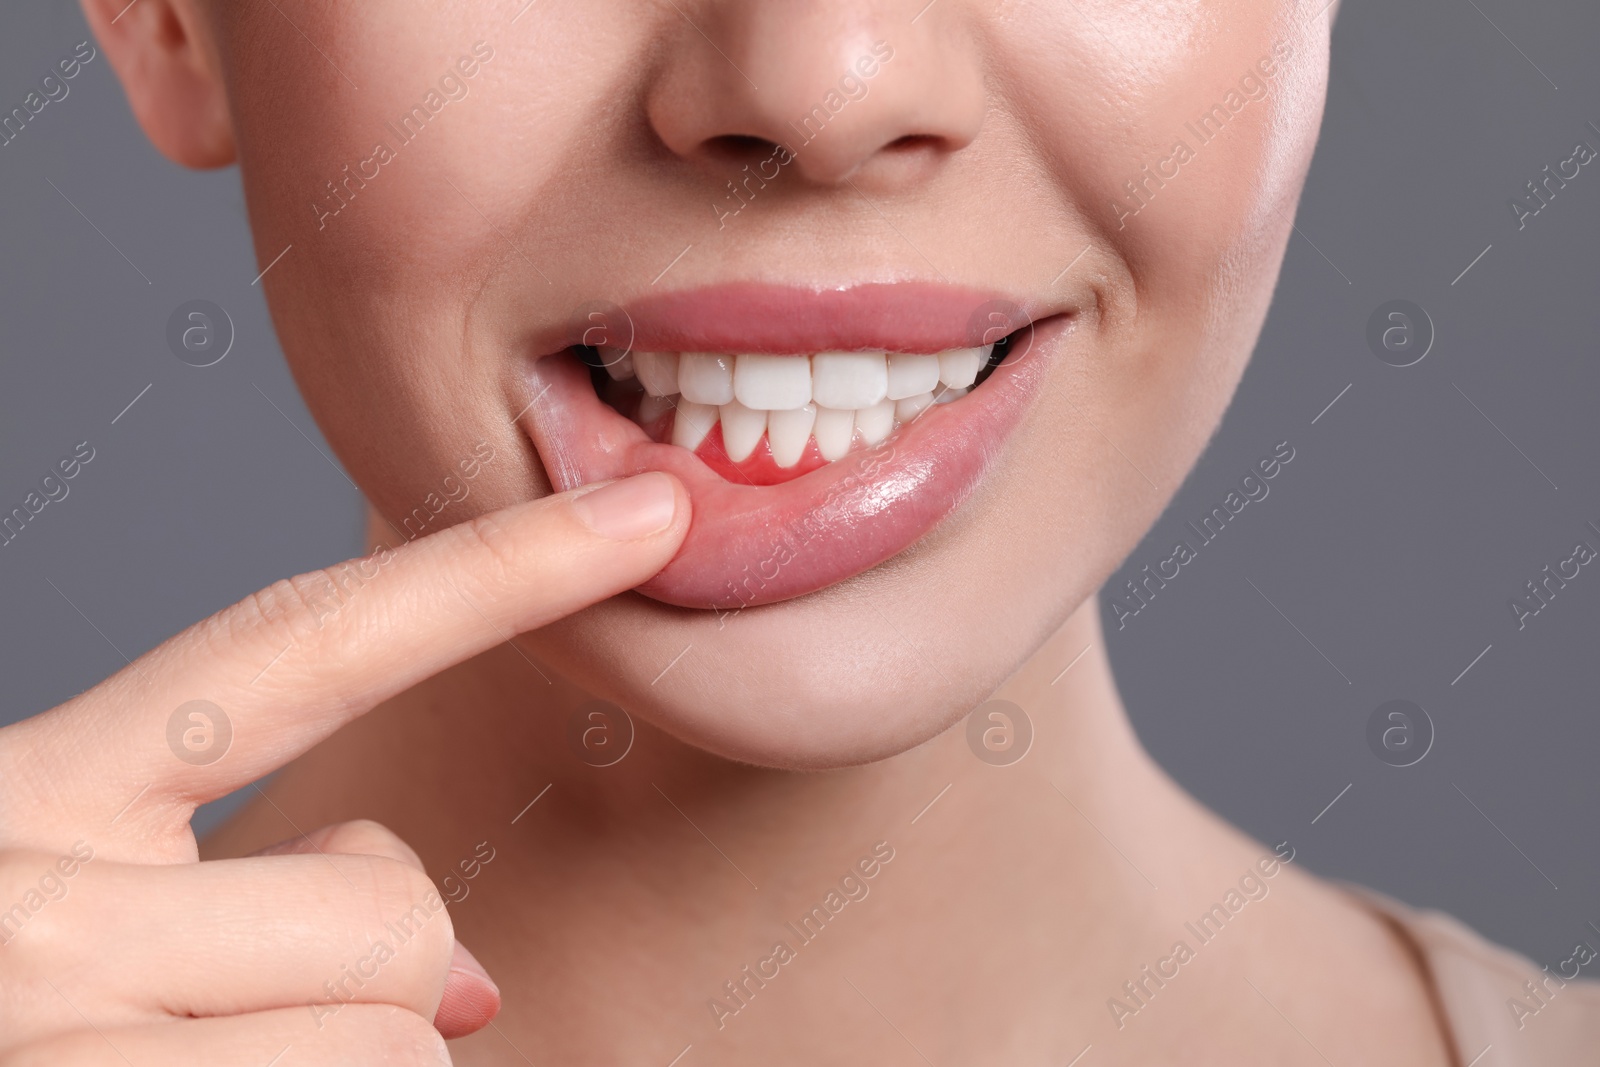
[788,432]
[657,371]
[652,408]
[692,423]
[834,430]
[877,422]
[617,363]
[841,400]
[772,383]
[706,378]
[911,375]
[849,379]
[910,407]
[742,428]
[958,367]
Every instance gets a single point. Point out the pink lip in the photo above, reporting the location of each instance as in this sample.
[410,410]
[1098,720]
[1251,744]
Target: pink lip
[751,545]
[753,317]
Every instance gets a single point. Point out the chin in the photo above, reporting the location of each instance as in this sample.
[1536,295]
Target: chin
[780,691]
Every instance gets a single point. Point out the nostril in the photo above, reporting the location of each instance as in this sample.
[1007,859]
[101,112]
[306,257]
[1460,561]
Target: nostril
[739,148]
[912,142]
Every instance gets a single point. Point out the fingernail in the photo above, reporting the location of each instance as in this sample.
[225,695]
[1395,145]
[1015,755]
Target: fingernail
[629,509]
[471,999]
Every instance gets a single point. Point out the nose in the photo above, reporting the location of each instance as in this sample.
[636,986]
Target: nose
[852,88]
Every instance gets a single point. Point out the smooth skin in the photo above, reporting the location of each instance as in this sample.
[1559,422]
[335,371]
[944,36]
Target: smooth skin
[592,150]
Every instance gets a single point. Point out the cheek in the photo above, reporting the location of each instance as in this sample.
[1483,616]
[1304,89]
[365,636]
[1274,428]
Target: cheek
[1192,183]
[377,195]
[395,231]
[1189,178]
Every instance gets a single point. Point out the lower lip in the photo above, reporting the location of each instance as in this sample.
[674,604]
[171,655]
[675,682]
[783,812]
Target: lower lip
[750,545]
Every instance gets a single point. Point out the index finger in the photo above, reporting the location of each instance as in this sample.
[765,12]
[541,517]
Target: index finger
[427,605]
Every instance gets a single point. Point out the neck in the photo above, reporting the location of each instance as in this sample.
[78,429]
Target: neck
[476,744]
[672,854]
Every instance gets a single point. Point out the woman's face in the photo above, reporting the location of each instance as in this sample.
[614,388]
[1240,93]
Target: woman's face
[471,189]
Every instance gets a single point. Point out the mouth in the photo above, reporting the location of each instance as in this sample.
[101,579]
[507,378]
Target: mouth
[819,434]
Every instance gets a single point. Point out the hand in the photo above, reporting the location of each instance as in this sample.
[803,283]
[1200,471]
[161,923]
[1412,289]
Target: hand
[118,947]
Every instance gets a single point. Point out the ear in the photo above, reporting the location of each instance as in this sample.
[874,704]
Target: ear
[164,53]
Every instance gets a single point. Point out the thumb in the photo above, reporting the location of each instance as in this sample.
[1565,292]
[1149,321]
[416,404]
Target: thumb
[471,999]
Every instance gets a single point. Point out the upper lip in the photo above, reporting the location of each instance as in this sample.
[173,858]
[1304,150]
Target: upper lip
[759,317]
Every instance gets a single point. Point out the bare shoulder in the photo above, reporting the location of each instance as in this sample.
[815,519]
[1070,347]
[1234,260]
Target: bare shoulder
[1493,997]
[1355,970]
[1287,969]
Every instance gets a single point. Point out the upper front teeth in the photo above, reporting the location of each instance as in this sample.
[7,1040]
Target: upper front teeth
[829,396]
[705,378]
[657,371]
[914,375]
[772,383]
[851,380]
[959,367]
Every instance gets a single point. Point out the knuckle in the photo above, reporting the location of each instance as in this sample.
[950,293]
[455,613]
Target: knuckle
[34,935]
[500,556]
[407,910]
[287,611]
[400,1036]
[16,868]
[79,1049]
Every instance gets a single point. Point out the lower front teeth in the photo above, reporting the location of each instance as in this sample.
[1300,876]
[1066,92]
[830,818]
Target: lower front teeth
[910,407]
[877,422]
[652,408]
[834,431]
[831,396]
[787,432]
[692,423]
[742,428]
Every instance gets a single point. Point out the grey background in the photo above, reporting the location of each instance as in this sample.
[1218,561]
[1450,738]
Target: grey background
[1382,561]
